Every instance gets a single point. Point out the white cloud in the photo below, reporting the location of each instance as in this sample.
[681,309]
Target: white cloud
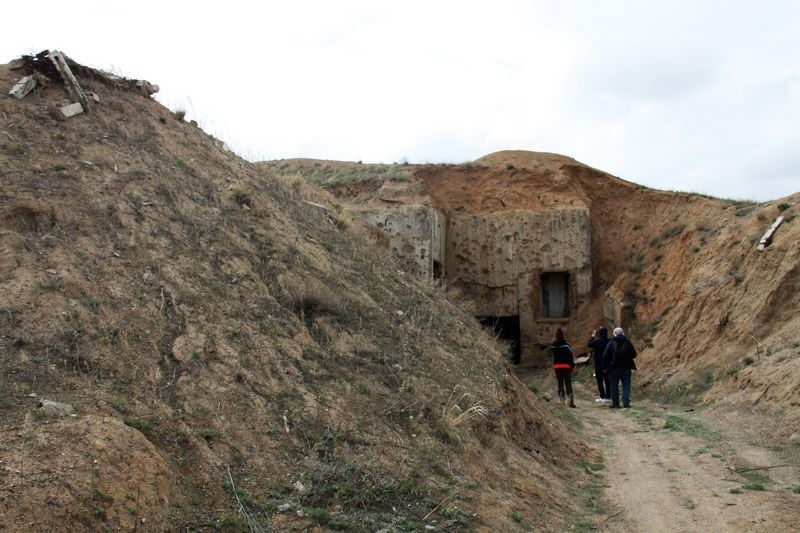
[698,95]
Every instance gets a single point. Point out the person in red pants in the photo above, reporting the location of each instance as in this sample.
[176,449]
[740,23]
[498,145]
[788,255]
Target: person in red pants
[563,364]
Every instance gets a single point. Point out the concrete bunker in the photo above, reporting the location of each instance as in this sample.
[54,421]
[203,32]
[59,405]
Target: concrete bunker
[518,251]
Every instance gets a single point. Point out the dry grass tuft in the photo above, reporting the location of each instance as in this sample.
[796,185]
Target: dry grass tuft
[380,237]
[454,416]
[242,197]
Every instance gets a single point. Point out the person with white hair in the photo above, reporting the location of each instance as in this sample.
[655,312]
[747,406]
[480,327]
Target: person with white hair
[618,364]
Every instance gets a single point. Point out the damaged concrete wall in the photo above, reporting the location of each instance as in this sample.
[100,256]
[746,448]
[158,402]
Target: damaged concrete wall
[416,234]
[497,260]
[487,253]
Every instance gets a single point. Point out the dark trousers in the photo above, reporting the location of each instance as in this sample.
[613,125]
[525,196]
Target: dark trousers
[615,375]
[603,386]
[564,377]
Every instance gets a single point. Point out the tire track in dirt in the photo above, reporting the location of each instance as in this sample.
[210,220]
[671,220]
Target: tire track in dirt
[683,479]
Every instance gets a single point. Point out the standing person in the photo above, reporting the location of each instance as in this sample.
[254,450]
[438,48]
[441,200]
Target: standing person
[618,362]
[563,364]
[598,343]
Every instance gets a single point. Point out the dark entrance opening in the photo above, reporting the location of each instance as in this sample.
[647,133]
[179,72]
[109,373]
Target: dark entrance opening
[438,270]
[507,329]
[555,294]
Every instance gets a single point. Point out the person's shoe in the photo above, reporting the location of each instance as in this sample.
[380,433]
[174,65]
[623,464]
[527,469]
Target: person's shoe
[571,401]
[626,405]
[599,400]
[614,406]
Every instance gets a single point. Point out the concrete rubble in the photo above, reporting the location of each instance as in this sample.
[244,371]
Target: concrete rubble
[21,89]
[54,65]
[53,409]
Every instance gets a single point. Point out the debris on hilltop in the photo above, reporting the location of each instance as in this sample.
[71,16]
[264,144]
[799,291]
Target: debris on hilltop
[47,67]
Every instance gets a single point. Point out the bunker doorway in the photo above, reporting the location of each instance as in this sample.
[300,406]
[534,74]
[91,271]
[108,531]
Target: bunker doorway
[555,294]
[507,329]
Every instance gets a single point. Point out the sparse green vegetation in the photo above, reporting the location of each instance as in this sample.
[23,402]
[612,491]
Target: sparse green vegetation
[137,423]
[15,148]
[331,174]
[676,423]
[735,490]
[207,433]
[592,467]
[783,207]
[119,405]
[753,485]
[93,304]
[5,400]
[59,167]
[673,231]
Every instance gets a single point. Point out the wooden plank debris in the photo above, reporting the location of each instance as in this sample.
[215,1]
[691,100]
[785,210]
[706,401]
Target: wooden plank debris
[74,88]
[23,87]
[766,240]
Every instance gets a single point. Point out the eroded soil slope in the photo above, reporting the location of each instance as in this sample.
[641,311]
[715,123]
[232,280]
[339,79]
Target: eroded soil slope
[237,352]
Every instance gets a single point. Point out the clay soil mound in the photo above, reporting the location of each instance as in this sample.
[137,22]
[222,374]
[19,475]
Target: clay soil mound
[237,352]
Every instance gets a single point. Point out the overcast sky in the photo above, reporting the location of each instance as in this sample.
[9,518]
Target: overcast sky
[688,95]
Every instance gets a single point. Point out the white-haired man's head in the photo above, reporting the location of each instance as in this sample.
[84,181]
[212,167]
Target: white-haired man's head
[618,332]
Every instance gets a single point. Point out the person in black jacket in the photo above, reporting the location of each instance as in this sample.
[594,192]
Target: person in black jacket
[618,363]
[563,364]
[598,343]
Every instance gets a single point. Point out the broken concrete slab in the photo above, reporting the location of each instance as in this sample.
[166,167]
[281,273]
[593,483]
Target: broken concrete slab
[24,86]
[70,110]
[52,409]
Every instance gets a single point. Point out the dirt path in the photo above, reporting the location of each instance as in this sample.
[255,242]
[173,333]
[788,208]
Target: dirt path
[668,470]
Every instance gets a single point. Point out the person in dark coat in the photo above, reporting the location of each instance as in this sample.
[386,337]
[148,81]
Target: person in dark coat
[563,364]
[598,343]
[618,363]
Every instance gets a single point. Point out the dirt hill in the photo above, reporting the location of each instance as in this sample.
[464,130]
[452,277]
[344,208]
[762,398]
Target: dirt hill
[716,318]
[237,352]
